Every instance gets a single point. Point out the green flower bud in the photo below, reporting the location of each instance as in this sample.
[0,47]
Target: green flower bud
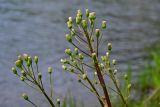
[129,86]
[101,65]
[104,25]
[23,73]
[110,70]
[115,72]
[25,56]
[50,70]
[79,13]
[78,19]
[107,54]
[74,63]
[95,73]
[68,52]
[39,75]
[25,96]
[72,32]
[92,16]
[87,13]
[18,63]
[71,58]
[20,58]
[84,76]
[69,24]
[97,32]
[103,58]
[68,38]
[94,56]
[14,70]
[84,24]
[71,70]
[28,64]
[81,57]
[76,51]
[126,77]
[64,67]
[22,78]
[70,19]
[64,61]
[58,101]
[109,46]
[30,59]
[114,62]
[36,59]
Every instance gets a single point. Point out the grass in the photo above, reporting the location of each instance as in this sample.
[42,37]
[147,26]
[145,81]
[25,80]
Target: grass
[148,83]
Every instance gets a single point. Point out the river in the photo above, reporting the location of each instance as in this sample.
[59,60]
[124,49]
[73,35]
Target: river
[37,27]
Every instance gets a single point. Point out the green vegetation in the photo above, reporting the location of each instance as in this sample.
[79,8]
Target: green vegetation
[85,57]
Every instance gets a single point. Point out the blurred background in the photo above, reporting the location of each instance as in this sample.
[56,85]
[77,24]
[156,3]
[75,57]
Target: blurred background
[37,27]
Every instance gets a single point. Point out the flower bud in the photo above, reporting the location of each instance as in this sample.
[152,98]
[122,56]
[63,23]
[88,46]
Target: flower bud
[72,32]
[23,73]
[81,57]
[64,61]
[18,63]
[30,59]
[58,101]
[74,63]
[103,58]
[92,16]
[129,86]
[25,56]
[115,72]
[14,70]
[25,96]
[97,31]
[68,52]
[71,70]
[114,62]
[94,56]
[110,70]
[39,75]
[101,65]
[84,76]
[107,55]
[70,19]
[36,59]
[22,78]
[126,77]
[79,12]
[69,24]
[29,62]
[95,73]
[64,67]
[104,25]
[84,24]
[87,13]
[68,38]
[78,19]
[76,51]
[50,70]
[20,58]
[109,46]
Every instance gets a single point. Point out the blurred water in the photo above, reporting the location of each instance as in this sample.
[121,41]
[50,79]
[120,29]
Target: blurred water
[37,27]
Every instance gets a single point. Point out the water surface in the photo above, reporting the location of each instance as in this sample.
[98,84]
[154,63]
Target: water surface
[37,27]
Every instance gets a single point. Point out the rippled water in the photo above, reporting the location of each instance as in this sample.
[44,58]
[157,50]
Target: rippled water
[37,27]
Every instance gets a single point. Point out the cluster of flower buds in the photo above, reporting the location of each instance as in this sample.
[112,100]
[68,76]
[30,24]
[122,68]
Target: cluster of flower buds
[32,77]
[86,39]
